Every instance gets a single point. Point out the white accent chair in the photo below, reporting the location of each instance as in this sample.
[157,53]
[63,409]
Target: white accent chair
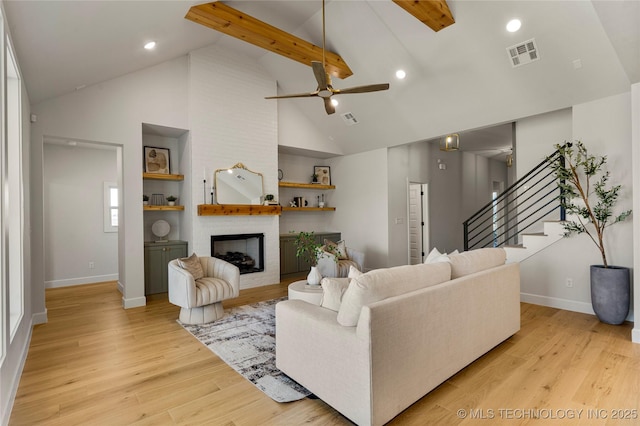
[201,300]
[328,267]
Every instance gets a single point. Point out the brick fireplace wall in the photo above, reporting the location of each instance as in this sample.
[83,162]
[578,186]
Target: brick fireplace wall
[231,122]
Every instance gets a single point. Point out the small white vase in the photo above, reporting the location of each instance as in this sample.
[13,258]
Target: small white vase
[314,276]
[171,203]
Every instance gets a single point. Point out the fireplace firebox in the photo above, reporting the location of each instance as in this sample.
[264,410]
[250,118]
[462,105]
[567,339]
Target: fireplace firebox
[246,251]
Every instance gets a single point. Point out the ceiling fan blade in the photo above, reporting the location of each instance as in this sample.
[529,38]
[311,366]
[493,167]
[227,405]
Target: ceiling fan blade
[321,75]
[328,106]
[363,89]
[294,95]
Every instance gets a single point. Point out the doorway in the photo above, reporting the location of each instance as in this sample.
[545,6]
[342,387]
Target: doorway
[418,223]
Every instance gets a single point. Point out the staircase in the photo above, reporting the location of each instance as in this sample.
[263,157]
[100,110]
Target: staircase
[533,243]
[524,219]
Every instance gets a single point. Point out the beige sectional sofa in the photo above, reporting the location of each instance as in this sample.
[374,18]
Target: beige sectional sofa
[398,332]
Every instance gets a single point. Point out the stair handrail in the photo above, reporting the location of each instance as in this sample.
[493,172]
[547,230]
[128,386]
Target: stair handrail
[512,205]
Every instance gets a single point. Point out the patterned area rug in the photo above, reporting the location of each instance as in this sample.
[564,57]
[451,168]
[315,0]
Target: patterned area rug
[245,339]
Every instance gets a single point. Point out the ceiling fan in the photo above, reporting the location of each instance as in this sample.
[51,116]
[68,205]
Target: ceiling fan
[325,90]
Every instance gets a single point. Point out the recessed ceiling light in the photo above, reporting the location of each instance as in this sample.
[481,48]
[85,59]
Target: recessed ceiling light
[400,74]
[514,25]
[150,45]
[334,102]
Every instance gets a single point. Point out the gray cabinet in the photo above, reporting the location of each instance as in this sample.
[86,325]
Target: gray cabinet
[156,260]
[290,265]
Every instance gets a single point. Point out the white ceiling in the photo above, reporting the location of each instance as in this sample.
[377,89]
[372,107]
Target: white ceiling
[458,79]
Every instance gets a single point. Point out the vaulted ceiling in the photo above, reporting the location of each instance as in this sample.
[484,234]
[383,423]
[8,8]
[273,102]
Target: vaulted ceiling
[459,78]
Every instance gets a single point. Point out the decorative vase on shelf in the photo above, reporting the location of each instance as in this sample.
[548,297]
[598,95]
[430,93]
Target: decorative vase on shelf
[314,276]
[171,203]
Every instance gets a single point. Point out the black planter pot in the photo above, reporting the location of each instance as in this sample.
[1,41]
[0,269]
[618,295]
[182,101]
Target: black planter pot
[610,293]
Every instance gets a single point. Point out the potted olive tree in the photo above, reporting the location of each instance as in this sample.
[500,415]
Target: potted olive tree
[589,199]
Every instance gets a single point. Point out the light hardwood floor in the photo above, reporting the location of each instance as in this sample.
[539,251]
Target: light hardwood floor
[95,363]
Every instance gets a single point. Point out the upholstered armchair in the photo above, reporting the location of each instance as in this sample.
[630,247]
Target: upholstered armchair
[200,292]
[329,267]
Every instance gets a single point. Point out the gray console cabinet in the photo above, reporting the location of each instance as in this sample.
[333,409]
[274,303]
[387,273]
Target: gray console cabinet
[156,260]
[290,265]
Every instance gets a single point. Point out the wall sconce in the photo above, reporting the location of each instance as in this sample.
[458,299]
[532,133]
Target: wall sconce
[509,160]
[450,142]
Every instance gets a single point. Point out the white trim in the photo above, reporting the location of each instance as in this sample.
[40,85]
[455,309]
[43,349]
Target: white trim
[635,335]
[565,304]
[134,303]
[15,379]
[40,317]
[80,281]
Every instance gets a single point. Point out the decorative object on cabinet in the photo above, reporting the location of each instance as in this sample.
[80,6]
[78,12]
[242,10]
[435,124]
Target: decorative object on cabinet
[238,185]
[323,173]
[160,229]
[156,260]
[157,160]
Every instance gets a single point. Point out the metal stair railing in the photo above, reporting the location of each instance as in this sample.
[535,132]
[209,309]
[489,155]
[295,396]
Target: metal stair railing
[526,203]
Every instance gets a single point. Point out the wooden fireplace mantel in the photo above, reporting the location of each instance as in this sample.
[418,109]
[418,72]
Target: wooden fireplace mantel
[238,210]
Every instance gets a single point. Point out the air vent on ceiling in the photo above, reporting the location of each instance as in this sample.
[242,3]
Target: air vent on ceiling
[523,53]
[349,119]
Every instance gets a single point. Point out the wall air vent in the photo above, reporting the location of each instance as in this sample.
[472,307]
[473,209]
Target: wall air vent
[523,53]
[349,119]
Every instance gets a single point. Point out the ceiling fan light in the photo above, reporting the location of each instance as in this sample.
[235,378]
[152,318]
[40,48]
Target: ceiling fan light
[334,102]
[450,142]
[400,74]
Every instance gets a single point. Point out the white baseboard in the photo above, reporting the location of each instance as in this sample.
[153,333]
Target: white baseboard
[635,335]
[567,305]
[135,302]
[40,317]
[7,405]
[79,281]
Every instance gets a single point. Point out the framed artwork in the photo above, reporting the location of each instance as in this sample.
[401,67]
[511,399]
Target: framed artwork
[323,173]
[156,160]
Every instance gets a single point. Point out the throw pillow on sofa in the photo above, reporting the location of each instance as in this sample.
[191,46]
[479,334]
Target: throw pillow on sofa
[435,256]
[339,248]
[473,261]
[354,272]
[332,292]
[381,284]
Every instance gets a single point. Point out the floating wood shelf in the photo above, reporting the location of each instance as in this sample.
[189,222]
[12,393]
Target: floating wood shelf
[237,210]
[163,208]
[304,185]
[307,209]
[159,176]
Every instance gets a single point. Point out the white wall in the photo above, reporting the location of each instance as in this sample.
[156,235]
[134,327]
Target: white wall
[537,135]
[74,179]
[230,123]
[605,128]
[635,151]
[110,112]
[361,201]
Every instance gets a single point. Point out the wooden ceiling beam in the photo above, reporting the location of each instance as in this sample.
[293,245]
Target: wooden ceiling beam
[433,13]
[221,17]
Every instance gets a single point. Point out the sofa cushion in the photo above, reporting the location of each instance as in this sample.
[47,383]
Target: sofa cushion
[473,261]
[354,271]
[192,265]
[381,284]
[332,291]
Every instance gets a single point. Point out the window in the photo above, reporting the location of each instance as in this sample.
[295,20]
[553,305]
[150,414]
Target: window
[110,207]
